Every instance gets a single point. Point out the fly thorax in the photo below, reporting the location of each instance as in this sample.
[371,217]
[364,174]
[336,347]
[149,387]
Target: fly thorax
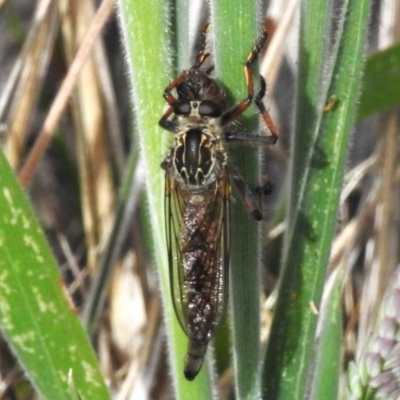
[195,157]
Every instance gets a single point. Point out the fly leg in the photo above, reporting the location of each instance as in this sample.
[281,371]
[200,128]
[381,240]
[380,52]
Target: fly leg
[264,113]
[245,193]
[234,112]
[200,58]
[264,190]
[164,122]
[253,140]
[260,140]
[167,124]
[202,54]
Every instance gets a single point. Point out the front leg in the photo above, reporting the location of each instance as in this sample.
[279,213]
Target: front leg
[164,122]
[169,98]
[167,124]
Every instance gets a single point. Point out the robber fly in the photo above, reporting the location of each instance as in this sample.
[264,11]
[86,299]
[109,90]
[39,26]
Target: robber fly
[198,178]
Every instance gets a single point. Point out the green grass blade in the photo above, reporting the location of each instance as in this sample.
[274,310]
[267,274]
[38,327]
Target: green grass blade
[310,97]
[319,154]
[235,28]
[324,382]
[147,40]
[35,317]
[381,83]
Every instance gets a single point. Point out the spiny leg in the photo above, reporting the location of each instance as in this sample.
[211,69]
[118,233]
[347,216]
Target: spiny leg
[265,189]
[170,99]
[240,108]
[245,193]
[202,54]
[261,140]
[264,113]
[167,124]
[200,58]
[252,140]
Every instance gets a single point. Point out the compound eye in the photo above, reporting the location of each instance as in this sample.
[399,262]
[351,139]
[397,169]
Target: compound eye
[209,108]
[182,107]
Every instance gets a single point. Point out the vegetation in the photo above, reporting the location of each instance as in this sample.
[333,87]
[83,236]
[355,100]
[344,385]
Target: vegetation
[82,205]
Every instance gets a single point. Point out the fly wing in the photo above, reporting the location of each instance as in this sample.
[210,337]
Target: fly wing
[173,209]
[197,224]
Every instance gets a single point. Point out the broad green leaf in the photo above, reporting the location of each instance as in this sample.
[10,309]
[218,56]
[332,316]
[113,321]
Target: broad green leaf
[37,321]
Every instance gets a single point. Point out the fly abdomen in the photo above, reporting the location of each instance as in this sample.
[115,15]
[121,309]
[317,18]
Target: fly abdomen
[194,359]
[203,275]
